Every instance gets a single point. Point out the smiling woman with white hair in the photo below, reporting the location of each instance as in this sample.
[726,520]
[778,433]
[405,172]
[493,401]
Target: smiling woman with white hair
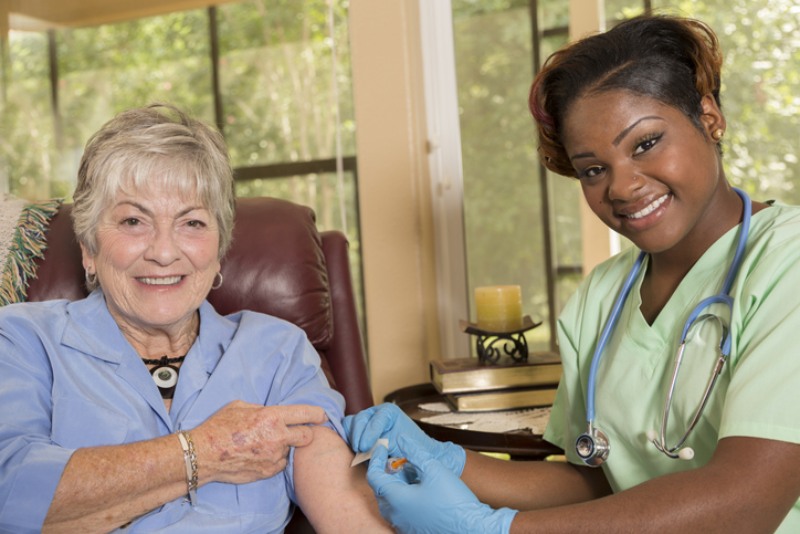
[132,407]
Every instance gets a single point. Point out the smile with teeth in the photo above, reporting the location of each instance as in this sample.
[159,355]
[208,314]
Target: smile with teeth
[164,281]
[650,208]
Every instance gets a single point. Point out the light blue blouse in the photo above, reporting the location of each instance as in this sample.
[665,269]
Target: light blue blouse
[69,379]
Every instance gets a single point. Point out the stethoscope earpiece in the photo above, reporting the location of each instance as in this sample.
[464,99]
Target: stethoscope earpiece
[684,453]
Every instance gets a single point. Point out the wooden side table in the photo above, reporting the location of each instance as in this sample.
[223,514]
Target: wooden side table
[519,445]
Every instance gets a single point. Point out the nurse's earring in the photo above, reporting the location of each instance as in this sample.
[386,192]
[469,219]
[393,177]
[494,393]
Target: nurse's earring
[717,134]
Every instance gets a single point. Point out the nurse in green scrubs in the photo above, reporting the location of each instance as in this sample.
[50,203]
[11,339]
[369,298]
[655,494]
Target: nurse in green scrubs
[634,114]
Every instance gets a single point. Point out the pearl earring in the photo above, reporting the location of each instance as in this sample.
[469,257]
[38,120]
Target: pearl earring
[717,134]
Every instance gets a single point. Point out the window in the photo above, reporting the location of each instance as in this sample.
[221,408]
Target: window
[522,223]
[27,145]
[273,76]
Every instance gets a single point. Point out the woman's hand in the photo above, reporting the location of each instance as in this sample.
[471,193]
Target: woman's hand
[432,499]
[245,442]
[389,421]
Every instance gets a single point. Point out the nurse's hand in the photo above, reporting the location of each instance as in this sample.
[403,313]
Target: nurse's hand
[389,421]
[245,442]
[435,502]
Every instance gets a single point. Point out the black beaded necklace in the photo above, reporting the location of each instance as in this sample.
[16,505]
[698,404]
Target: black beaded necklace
[165,374]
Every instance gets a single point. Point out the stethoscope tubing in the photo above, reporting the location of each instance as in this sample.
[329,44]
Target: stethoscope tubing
[723,297]
[608,329]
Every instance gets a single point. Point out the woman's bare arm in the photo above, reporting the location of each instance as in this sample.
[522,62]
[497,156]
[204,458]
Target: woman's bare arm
[335,497]
[103,488]
[749,486]
[528,485]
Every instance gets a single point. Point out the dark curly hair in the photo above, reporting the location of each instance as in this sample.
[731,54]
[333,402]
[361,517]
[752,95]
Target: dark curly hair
[674,60]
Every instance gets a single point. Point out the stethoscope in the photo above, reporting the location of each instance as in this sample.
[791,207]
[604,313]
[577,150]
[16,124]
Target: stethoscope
[592,446]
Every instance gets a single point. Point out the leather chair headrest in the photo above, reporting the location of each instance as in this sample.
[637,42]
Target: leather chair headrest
[276,266]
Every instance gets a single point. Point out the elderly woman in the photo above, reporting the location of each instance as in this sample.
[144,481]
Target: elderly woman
[130,409]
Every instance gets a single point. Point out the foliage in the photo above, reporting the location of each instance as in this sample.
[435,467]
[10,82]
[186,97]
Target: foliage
[28,137]
[279,100]
[278,97]
[761,78]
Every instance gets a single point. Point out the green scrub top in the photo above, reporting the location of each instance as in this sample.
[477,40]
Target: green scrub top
[757,393]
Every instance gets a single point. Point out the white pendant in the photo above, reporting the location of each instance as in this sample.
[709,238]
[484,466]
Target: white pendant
[165,376]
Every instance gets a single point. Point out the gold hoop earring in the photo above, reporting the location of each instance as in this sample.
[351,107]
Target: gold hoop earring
[217,285]
[717,134]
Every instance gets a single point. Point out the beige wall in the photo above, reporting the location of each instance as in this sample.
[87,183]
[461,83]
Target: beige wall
[396,223]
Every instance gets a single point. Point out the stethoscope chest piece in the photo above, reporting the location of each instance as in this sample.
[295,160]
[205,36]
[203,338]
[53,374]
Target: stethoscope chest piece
[592,447]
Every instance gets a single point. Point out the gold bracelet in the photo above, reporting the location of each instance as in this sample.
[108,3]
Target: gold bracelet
[190,458]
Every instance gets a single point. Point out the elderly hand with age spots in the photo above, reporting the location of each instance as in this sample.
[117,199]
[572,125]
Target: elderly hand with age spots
[245,442]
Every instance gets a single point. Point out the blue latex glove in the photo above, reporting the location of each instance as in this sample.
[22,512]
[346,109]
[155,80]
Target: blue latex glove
[389,421]
[437,502]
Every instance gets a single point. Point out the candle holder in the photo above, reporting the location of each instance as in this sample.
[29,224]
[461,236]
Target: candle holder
[491,345]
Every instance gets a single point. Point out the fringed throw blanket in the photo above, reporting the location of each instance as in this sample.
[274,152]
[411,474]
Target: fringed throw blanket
[23,228]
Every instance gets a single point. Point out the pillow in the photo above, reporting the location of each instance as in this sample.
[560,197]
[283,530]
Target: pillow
[23,227]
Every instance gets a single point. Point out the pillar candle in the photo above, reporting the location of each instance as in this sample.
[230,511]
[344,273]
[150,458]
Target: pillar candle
[499,308]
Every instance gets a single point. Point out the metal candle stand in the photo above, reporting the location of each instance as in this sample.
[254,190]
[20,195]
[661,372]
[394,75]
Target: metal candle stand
[492,345]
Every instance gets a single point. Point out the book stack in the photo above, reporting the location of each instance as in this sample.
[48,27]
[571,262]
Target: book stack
[471,386]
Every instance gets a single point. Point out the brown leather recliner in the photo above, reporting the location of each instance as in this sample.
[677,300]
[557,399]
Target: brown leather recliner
[278,264]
